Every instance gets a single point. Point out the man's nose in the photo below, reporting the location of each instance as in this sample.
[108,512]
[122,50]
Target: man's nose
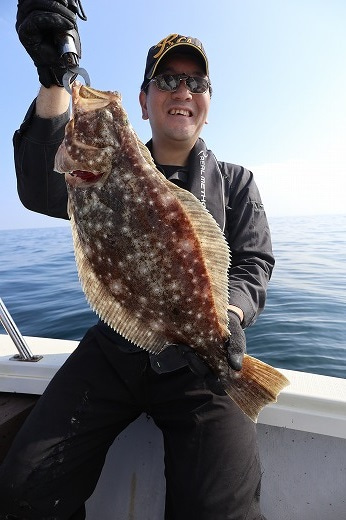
[182,91]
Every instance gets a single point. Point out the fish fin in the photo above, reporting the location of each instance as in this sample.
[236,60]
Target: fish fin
[214,247]
[107,308]
[255,386]
[145,152]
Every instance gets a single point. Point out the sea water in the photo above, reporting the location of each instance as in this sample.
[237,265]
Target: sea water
[303,326]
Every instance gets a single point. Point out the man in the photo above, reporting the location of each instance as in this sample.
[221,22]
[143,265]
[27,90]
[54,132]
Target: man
[211,460]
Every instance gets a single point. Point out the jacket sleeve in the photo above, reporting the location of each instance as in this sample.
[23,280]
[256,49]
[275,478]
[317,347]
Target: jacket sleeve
[248,235]
[40,188]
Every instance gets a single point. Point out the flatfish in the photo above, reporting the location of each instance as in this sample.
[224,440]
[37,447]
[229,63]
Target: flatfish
[151,259]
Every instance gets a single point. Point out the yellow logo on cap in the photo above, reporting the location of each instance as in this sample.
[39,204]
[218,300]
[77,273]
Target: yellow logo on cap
[170,40]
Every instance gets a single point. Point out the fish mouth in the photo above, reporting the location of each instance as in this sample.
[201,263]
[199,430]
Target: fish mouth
[83,178]
[86,176]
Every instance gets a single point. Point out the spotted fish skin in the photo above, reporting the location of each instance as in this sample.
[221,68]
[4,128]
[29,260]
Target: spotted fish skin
[137,237]
[152,261]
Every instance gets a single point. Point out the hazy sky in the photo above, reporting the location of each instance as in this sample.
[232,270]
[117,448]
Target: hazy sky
[278,69]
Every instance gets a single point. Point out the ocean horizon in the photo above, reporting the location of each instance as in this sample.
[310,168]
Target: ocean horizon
[303,326]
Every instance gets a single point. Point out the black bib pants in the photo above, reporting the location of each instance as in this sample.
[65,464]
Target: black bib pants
[212,467]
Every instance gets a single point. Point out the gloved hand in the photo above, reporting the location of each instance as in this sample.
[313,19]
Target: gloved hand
[40,25]
[236,343]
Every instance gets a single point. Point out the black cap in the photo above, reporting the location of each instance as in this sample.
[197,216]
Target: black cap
[173,43]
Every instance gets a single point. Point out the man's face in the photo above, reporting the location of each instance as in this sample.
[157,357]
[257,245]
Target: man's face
[176,116]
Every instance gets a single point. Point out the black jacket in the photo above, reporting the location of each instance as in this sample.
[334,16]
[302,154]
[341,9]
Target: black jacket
[43,190]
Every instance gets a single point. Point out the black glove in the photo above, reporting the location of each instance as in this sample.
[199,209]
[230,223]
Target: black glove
[41,26]
[236,343]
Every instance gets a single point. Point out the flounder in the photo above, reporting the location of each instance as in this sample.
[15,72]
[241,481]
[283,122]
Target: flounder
[151,259]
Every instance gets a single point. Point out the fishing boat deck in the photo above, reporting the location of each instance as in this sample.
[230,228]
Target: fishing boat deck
[302,441]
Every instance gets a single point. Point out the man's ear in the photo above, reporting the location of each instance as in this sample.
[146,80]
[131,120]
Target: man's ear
[143,103]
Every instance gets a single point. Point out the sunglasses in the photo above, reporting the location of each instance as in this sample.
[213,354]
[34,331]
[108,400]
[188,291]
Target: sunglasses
[171,83]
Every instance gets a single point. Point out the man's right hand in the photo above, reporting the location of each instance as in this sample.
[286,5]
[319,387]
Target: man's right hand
[40,24]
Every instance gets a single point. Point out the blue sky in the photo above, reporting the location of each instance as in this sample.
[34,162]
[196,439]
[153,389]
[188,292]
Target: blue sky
[278,69]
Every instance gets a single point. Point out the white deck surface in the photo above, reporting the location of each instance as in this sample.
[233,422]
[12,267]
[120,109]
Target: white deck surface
[301,438]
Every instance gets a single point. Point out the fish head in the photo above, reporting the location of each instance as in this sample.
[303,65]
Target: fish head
[92,136]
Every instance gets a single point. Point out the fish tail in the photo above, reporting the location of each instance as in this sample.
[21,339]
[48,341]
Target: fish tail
[255,386]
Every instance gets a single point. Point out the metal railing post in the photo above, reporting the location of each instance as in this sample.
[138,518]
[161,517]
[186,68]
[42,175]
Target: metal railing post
[9,325]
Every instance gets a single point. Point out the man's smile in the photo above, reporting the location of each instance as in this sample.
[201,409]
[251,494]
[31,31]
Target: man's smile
[180,111]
